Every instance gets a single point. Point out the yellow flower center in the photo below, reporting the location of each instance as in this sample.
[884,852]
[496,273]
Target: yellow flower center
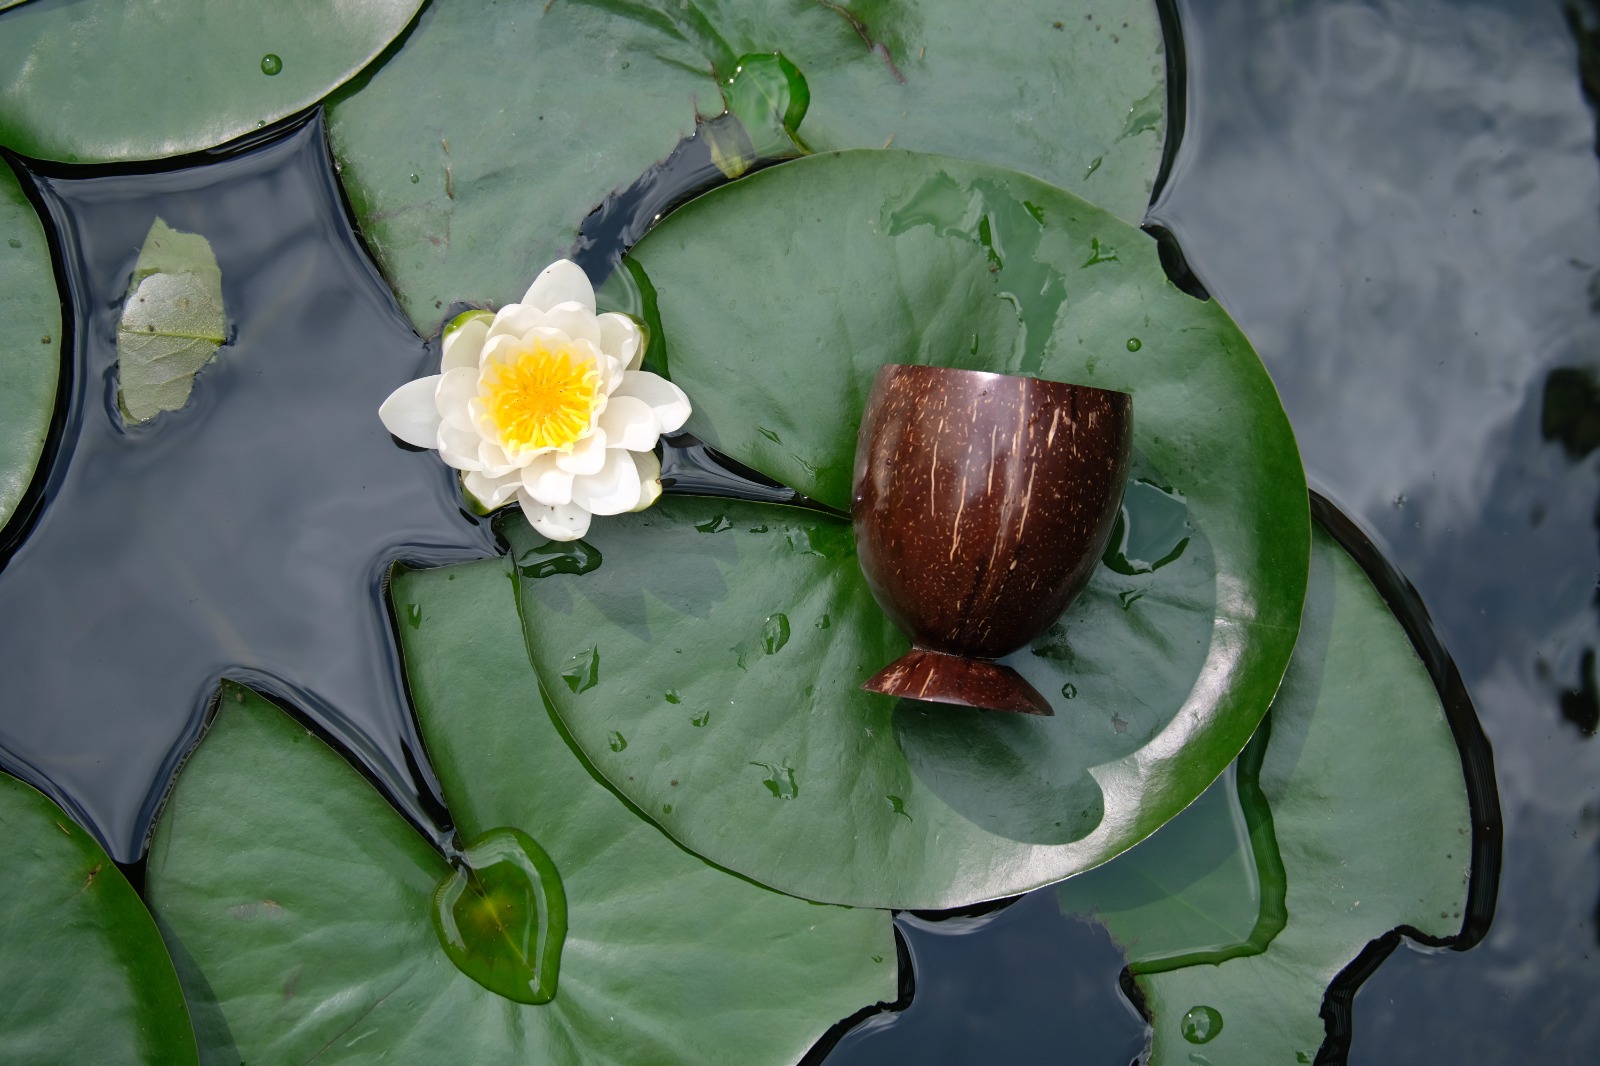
[542,398]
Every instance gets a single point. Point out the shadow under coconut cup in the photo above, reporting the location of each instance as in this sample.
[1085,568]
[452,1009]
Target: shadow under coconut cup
[982,503]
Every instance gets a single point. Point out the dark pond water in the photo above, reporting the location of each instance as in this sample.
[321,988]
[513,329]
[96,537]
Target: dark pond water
[1399,200]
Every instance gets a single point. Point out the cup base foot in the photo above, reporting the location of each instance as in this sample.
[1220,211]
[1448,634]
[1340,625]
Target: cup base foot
[938,677]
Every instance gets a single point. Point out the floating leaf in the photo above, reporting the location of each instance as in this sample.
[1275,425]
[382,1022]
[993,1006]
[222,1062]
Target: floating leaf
[117,80]
[1362,811]
[172,322]
[304,905]
[30,342]
[467,182]
[84,974]
[894,257]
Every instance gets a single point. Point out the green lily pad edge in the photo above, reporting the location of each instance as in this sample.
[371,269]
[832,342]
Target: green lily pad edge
[84,974]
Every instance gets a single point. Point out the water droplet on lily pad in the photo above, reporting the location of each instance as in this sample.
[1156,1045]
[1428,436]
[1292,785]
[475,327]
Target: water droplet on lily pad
[1152,530]
[714,524]
[781,783]
[1069,691]
[582,671]
[271,64]
[673,697]
[415,178]
[1134,344]
[559,557]
[501,916]
[616,741]
[1201,1024]
[775,633]
[699,720]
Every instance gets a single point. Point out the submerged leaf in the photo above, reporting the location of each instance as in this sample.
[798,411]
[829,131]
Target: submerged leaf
[172,323]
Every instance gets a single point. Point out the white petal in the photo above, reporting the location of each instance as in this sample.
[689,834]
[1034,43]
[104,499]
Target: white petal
[614,489]
[621,338]
[559,282]
[496,463]
[464,344]
[565,521]
[575,320]
[457,388]
[492,492]
[409,412]
[545,481]
[587,456]
[513,320]
[649,479]
[502,347]
[630,423]
[666,399]
[459,447]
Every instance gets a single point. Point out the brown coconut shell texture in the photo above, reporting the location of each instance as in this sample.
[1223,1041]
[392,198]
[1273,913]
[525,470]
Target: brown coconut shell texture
[982,504]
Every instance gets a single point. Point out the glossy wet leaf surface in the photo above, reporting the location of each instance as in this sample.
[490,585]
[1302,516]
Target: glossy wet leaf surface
[30,342]
[440,147]
[172,322]
[118,80]
[1366,820]
[1158,674]
[84,975]
[302,905]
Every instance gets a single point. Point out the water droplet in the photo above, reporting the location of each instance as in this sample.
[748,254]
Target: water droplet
[415,178]
[1400,500]
[582,671]
[715,524]
[877,958]
[781,784]
[1094,165]
[564,557]
[773,437]
[699,720]
[666,808]
[1201,1024]
[775,633]
[898,805]
[616,741]
[271,64]
[1134,344]
[673,697]
[1152,530]
[501,916]
[824,622]
[1069,691]
[1100,253]
[414,615]
[260,122]
[14,242]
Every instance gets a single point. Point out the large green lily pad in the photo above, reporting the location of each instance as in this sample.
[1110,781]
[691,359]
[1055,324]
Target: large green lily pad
[1367,824]
[472,156]
[778,297]
[115,80]
[299,902]
[30,342]
[84,975]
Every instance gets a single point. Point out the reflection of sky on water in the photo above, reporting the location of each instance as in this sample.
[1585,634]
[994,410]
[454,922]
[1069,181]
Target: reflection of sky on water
[1399,201]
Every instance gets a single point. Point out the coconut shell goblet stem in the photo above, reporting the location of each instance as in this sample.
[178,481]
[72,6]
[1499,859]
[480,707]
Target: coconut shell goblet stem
[982,504]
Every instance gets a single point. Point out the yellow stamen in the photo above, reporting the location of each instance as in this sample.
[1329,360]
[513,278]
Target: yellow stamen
[541,398]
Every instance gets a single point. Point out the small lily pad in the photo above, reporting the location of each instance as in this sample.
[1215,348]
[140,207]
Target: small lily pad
[118,80]
[466,181]
[84,974]
[30,342]
[172,322]
[1355,814]
[301,906]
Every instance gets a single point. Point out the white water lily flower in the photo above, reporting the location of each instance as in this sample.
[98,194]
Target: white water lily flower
[544,402]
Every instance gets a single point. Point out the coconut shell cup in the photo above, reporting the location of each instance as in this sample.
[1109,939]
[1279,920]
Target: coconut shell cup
[982,504]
